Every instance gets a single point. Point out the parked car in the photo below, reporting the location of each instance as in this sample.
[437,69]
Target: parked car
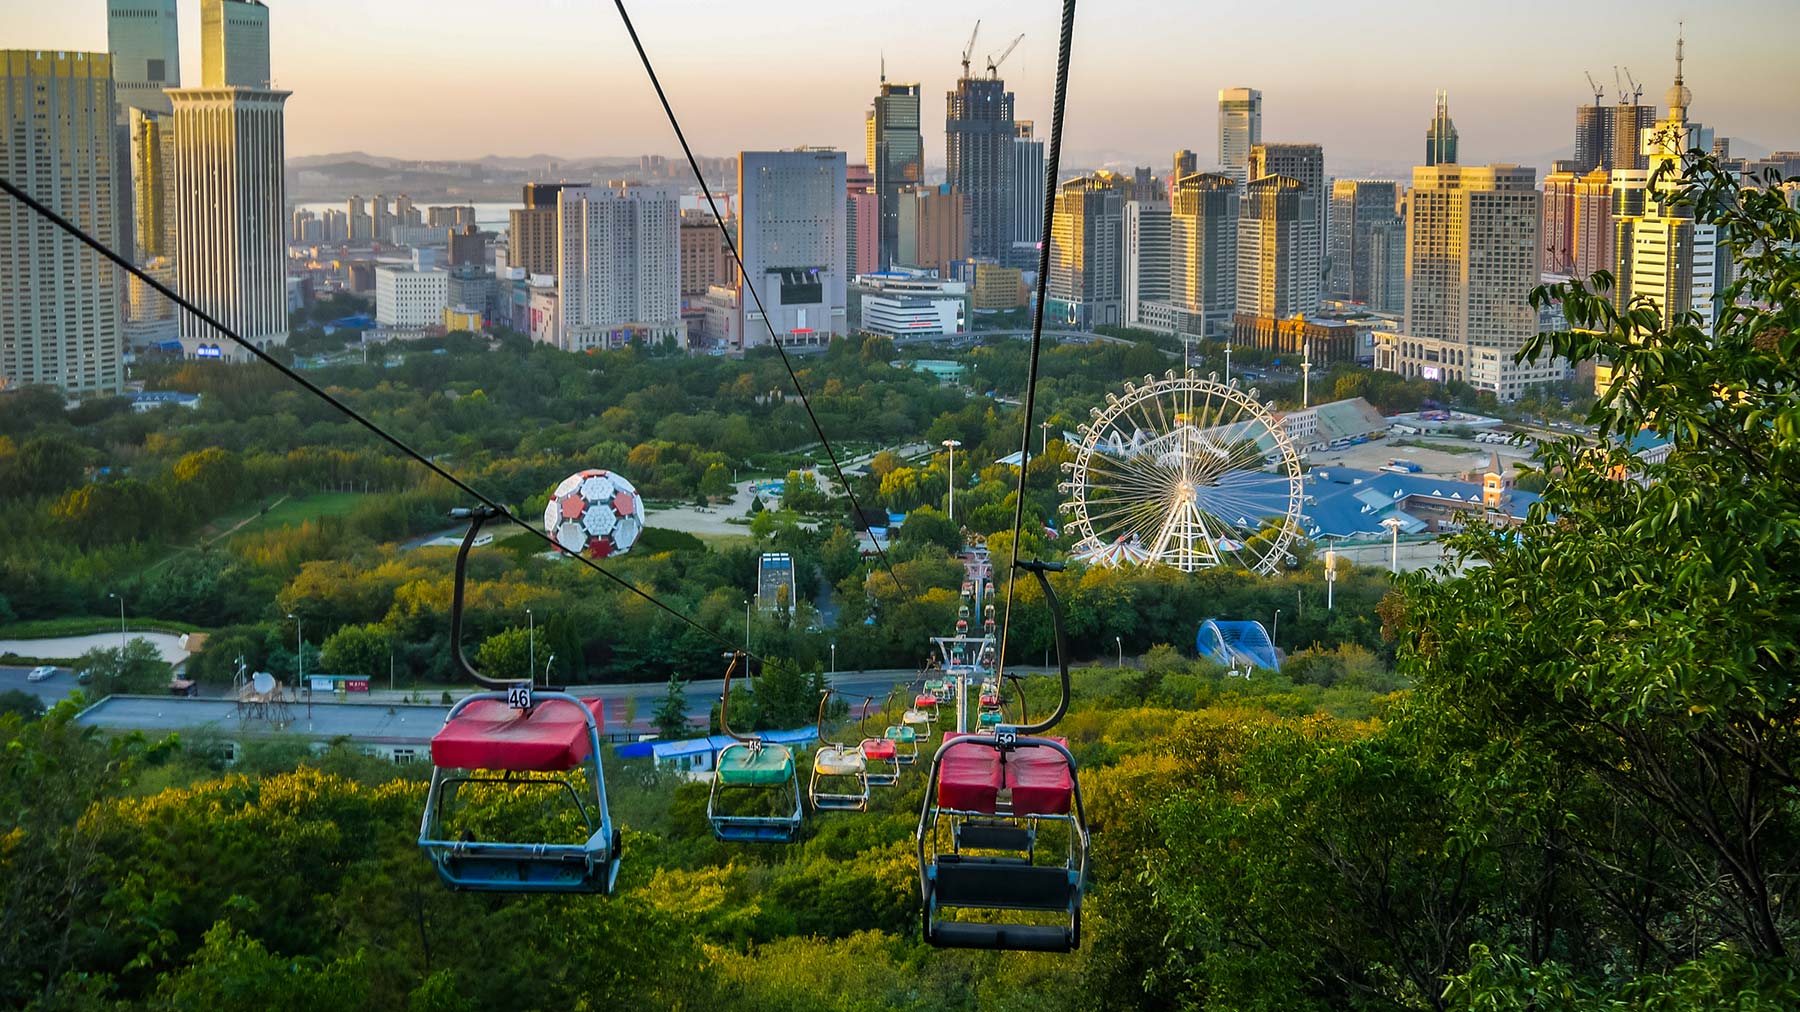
[41,673]
[84,677]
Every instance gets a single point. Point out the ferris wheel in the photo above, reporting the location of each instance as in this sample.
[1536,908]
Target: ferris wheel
[1185,472]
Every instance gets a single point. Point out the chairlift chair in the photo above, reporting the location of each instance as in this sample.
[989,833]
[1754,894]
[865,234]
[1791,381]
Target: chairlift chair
[750,768]
[987,796]
[833,764]
[504,737]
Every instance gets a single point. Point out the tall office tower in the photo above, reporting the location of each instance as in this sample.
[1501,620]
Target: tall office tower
[1027,198]
[1240,129]
[362,227]
[1086,252]
[337,225]
[1472,256]
[468,247]
[1556,237]
[230,190]
[1144,274]
[1203,227]
[142,37]
[234,44]
[1663,255]
[705,261]
[934,229]
[1609,137]
[1305,163]
[1144,185]
[383,217]
[1593,133]
[618,266]
[1387,267]
[862,221]
[60,322]
[896,155]
[1277,259]
[1357,207]
[1440,136]
[1186,163]
[791,236]
[531,232]
[152,179]
[978,152]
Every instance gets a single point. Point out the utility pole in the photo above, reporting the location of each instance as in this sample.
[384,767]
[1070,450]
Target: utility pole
[1330,576]
[531,647]
[122,640]
[951,445]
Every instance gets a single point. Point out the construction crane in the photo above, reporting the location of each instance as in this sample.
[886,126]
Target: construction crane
[969,50]
[1599,92]
[1637,90]
[995,62]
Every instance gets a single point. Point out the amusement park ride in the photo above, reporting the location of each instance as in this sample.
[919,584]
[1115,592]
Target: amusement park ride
[990,793]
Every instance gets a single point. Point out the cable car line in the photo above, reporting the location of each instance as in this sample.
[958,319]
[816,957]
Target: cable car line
[1052,158]
[749,286]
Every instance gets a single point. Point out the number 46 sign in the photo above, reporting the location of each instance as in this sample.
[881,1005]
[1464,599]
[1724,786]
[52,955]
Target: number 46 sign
[518,696]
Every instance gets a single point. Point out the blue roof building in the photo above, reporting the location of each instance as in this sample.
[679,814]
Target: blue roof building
[1347,502]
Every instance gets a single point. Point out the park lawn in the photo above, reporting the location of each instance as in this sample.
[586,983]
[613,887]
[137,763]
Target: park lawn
[296,510]
[88,625]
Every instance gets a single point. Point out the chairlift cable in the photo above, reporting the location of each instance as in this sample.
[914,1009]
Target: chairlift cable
[502,512]
[749,286]
[1052,159]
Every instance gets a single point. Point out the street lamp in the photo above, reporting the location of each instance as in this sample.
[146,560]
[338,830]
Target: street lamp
[746,625]
[121,618]
[834,662]
[1117,642]
[1393,525]
[951,445]
[1330,575]
[547,664]
[299,652]
[1044,443]
[531,646]
[1275,628]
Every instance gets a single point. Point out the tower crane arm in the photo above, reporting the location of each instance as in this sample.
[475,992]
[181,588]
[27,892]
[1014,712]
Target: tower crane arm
[994,62]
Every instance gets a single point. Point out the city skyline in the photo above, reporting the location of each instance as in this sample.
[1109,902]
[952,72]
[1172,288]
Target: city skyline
[1513,95]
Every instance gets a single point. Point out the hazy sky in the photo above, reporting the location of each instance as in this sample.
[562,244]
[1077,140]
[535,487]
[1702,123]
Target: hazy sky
[464,78]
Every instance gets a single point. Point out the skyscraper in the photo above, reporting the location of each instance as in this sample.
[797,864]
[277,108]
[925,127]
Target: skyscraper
[1357,207]
[60,322]
[862,221]
[1145,269]
[1472,260]
[1027,198]
[1186,163]
[153,197]
[1240,129]
[1440,136]
[142,37]
[531,232]
[234,44]
[1277,262]
[230,191]
[1611,136]
[1203,226]
[791,236]
[1663,255]
[618,267]
[934,229]
[1087,252]
[1306,164]
[978,153]
[896,156]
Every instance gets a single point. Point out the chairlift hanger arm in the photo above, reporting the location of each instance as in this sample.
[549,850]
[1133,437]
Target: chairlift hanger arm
[476,516]
[1041,570]
[725,700]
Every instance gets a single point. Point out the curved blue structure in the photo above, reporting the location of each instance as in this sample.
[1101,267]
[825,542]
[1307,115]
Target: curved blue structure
[1230,642]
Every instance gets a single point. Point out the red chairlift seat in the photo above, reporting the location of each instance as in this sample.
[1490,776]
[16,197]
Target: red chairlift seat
[879,749]
[971,776]
[925,699]
[489,735]
[1041,780]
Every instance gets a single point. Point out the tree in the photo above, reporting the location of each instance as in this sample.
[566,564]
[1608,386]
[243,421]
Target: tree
[507,654]
[715,483]
[926,526]
[25,705]
[357,649]
[136,667]
[670,717]
[1619,675]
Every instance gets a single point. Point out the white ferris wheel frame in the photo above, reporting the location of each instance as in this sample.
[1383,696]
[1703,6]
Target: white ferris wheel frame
[1180,532]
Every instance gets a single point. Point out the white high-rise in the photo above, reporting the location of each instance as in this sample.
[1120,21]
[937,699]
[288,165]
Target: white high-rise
[791,236]
[1145,269]
[1027,197]
[230,194]
[59,300]
[1240,129]
[142,38]
[618,266]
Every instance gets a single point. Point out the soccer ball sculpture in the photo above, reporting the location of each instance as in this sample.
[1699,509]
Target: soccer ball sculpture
[595,513]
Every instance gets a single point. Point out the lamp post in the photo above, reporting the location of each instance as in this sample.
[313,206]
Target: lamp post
[121,618]
[834,662]
[1330,575]
[1117,642]
[390,669]
[547,664]
[951,445]
[1044,442]
[1393,526]
[1306,374]
[531,647]
[746,625]
[1275,628]
[299,653]
[1228,361]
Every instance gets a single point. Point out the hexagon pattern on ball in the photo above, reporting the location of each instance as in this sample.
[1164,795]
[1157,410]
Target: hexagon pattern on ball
[596,513]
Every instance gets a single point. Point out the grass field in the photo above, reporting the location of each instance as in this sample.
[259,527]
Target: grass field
[88,625]
[296,510]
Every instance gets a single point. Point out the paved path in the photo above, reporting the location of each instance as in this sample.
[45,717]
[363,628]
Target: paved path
[167,644]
